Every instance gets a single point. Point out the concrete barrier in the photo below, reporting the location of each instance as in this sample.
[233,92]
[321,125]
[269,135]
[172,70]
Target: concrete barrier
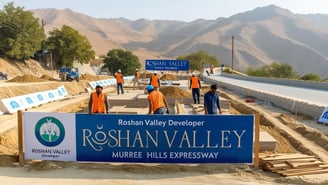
[295,106]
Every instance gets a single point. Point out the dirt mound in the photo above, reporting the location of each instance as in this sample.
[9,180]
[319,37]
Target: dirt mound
[46,77]
[169,77]
[27,78]
[13,68]
[145,75]
[174,92]
[94,77]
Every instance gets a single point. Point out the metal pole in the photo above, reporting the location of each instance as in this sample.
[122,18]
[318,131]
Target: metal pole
[232,38]
[52,65]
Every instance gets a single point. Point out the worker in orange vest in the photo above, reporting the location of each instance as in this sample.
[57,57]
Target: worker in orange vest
[154,81]
[195,87]
[119,82]
[98,101]
[156,101]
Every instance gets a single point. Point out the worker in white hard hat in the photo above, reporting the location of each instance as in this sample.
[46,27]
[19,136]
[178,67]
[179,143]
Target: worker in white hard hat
[154,81]
[119,82]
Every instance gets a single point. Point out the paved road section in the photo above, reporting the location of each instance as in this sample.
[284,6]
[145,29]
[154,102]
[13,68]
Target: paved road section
[312,96]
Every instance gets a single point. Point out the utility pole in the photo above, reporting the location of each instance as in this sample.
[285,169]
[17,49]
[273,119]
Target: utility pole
[232,51]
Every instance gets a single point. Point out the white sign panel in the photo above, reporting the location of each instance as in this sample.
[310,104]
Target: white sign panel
[324,116]
[49,136]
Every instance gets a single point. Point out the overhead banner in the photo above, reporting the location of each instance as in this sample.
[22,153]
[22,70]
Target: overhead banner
[167,65]
[139,138]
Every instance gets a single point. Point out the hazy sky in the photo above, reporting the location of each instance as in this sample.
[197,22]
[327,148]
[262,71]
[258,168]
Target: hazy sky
[185,10]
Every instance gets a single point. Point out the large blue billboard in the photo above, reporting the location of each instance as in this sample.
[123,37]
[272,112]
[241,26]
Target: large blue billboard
[167,65]
[165,138]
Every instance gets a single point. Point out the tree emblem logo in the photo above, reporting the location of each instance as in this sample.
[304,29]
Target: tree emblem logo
[49,131]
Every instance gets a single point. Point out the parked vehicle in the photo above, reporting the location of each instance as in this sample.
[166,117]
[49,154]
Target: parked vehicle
[69,74]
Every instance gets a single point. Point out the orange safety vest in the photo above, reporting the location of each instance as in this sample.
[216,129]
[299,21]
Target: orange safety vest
[98,102]
[194,82]
[119,78]
[157,99]
[154,81]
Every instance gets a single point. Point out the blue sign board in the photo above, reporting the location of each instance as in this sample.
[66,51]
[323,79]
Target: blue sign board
[165,138]
[168,65]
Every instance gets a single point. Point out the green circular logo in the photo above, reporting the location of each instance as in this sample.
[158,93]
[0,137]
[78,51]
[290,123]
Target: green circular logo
[49,131]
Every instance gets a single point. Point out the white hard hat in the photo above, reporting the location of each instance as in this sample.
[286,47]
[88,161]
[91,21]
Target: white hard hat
[155,72]
[136,69]
[192,74]
[119,70]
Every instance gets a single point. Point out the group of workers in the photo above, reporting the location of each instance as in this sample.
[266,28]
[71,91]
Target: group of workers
[157,103]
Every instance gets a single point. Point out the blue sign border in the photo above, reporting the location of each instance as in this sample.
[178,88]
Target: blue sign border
[167,65]
[165,138]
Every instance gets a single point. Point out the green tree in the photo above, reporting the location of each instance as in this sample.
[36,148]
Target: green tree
[20,33]
[67,45]
[124,60]
[311,77]
[196,60]
[275,70]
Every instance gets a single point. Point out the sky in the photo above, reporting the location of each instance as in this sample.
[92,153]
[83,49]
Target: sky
[183,10]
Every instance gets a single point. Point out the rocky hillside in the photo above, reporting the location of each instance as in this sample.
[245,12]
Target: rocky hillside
[261,36]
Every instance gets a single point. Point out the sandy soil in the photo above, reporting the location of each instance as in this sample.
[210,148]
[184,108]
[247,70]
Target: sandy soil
[42,172]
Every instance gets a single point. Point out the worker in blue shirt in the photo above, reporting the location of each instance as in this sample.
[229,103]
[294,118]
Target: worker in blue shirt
[212,101]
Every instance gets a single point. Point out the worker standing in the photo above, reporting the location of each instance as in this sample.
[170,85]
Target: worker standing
[98,101]
[154,81]
[136,79]
[195,87]
[211,68]
[156,101]
[119,82]
[212,101]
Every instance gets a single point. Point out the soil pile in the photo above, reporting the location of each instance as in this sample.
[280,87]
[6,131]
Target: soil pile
[46,77]
[89,77]
[146,75]
[169,77]
[174,92]
[27,78]
[13,68]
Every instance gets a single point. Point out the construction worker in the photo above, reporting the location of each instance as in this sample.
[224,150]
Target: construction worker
[98,101]
[195,87]
[211,68]
[136,79]
[154,81]
[119,82]
[212,101]
[156,101]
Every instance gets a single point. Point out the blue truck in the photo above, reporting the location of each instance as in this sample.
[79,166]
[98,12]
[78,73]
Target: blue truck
[69,74]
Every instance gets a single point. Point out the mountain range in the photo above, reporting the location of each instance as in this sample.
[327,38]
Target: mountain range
[257,37]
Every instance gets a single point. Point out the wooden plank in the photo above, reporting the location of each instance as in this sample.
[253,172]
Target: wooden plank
[306,172]
[305,164]
[285,157]
[286,165]
[294,170]
[303,160]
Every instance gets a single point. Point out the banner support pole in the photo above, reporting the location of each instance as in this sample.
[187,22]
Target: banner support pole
[257,141]
[20,137]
